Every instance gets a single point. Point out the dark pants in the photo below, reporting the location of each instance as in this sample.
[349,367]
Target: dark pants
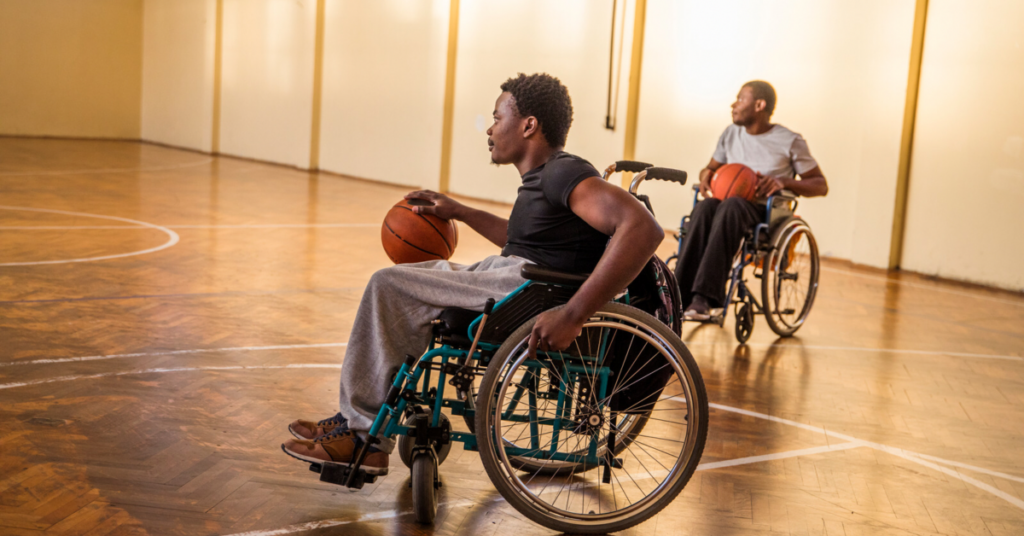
[714,234]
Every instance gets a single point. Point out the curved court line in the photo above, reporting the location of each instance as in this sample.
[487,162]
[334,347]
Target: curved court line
[895,451]
[173,352]
[110,170]
[172,237]
[162,370]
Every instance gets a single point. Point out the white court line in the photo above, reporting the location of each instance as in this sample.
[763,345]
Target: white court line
[163,370]
[937,286]
[873,350]
[225,226]
[779,456]
[109,170]
[172,237]
[173,352]
[895,451]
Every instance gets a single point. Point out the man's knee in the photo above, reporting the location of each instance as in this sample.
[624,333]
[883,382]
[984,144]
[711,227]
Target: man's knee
[705,209]
[737,208]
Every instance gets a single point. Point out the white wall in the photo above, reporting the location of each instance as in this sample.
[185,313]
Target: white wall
[177,72]
[840,71]
[383,89]
[565,38]
[964,216]
[267,79]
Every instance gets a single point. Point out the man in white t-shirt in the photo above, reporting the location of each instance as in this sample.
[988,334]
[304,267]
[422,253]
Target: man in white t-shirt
[778,156]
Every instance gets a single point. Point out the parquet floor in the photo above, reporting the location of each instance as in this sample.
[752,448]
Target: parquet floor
[147,391]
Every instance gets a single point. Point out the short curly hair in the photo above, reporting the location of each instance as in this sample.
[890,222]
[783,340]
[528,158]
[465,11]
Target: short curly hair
[763,91]
[543,96]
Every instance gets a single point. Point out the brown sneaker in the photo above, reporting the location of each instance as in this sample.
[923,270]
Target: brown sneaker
[311,430]
[339,447]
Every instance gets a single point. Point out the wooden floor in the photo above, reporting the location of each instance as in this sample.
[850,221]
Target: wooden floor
[164,315]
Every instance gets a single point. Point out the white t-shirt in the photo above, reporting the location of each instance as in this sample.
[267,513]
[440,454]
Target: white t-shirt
[778,153]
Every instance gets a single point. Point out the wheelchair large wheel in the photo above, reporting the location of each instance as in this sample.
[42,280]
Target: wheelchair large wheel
[790,279]
[543,423]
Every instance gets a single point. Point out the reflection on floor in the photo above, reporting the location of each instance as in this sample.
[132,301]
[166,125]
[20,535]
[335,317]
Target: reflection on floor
[145,387]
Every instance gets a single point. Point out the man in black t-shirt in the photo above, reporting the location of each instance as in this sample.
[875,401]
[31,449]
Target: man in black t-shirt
[564,217]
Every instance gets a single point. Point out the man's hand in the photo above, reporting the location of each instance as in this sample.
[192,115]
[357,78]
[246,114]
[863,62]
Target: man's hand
[705,183]
[766,185]
[555,330]
[444,207]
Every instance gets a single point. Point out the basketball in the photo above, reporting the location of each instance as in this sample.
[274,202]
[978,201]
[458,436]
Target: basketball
[409,237]
[734,180]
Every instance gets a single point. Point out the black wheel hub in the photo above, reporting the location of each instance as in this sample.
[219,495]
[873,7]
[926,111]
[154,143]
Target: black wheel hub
[588,422]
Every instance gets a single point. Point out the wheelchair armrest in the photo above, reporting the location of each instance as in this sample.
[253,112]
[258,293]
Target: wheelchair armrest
[535,272]
[784,194]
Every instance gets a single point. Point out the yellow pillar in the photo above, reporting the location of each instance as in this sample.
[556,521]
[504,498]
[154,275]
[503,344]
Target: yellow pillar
[899,216]
[633,101]
[449,97]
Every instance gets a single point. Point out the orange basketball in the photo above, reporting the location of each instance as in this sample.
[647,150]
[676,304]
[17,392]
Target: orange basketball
[410,237]
[734,180]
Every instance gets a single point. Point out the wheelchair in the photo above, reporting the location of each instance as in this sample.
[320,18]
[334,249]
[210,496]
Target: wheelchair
[784,255]
[592,439]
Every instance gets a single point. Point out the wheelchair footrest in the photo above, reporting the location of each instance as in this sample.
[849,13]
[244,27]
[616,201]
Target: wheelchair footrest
[337,473]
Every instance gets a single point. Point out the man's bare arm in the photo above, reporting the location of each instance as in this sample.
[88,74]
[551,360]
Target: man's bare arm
[705,176]
[493,228]
[811,184]
[635,235]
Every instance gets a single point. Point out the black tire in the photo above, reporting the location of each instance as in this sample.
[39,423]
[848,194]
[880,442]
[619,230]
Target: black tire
[744,322]
[406,444]
[632,338]
[789,281]
[424,494]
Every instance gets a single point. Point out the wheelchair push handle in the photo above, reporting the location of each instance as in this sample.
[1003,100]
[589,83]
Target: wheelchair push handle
[666,174]
[632,166]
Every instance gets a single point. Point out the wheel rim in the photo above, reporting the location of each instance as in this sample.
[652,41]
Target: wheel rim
[794,278]
[650,462]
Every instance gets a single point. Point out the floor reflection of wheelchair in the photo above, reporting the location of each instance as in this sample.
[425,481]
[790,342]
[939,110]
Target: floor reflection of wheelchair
[783,254]
[593,439]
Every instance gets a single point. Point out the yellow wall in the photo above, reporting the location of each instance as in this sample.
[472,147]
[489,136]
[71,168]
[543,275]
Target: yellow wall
[177,72]
[70,67]
[267,80]
[383,89]
[964,216]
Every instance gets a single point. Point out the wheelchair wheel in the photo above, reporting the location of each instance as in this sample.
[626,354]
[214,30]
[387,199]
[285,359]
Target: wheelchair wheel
[744,322]
[406,444]
[790,279]
[424,493]
[543,423]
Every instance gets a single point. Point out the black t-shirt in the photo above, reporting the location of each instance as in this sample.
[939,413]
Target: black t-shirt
[543,229]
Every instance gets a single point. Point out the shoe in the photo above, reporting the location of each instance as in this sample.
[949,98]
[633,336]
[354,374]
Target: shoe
[337,447]
[698,310]
[311,430]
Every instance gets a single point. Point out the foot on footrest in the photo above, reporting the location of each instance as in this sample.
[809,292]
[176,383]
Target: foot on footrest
[337,473]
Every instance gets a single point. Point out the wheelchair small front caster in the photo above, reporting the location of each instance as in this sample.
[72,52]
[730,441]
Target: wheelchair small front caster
[744,322]
[425,483]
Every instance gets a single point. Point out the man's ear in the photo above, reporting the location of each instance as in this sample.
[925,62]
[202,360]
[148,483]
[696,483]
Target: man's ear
[530,126]
[760,105]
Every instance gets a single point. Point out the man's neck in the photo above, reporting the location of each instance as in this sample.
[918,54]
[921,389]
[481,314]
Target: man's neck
[535,157]
[759,127]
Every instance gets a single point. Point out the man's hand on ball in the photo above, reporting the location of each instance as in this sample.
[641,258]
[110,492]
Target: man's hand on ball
[443,206]
[767,185]
[554,330]
[705,185]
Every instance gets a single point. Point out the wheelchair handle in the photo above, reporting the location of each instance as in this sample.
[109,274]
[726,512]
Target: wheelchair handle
[489,306]
[633,166]
[659,174]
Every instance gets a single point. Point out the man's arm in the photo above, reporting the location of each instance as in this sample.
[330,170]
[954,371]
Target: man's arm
[493,228]
[811,184]
[635,235]
[705,176]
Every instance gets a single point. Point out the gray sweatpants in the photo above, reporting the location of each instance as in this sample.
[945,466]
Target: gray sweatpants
[394,320]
